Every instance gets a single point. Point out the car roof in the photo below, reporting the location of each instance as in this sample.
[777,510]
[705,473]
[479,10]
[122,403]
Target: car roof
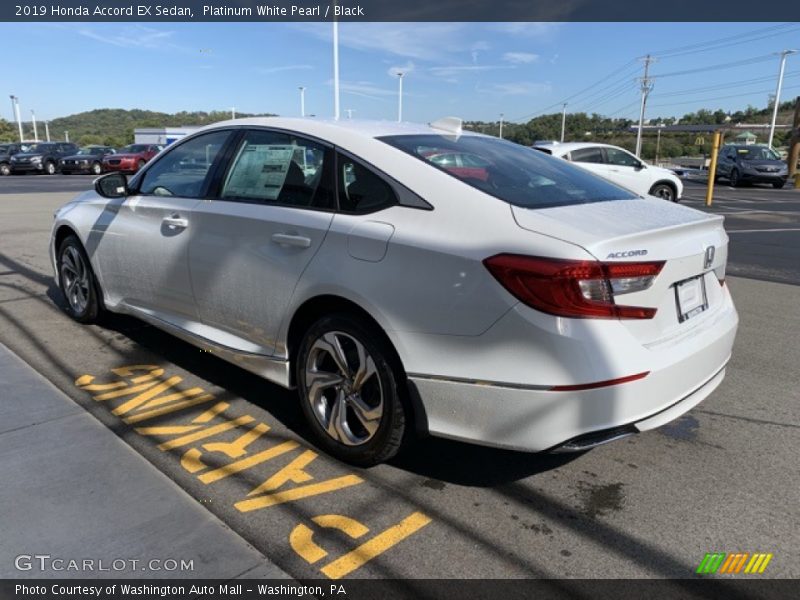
[337,131]
[569,146]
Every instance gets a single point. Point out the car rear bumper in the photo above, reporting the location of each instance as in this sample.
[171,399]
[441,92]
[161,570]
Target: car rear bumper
[681,374]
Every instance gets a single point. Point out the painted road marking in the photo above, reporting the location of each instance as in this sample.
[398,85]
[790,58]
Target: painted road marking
[146,393]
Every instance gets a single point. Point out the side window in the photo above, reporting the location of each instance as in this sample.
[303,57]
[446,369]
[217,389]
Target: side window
[280,168]
[587,155]
[360,189]
[621,158]
[183,171]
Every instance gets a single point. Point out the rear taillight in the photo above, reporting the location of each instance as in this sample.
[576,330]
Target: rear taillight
[575,288]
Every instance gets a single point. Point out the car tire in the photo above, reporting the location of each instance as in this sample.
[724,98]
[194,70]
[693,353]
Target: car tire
[97,169]
[733,178]
[5,170]
[140,165]
[778,185]
[50,168]
[77,281]
[664,191]
[350,386]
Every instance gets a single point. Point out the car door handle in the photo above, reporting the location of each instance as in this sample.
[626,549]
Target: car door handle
[176,222]
[289,239]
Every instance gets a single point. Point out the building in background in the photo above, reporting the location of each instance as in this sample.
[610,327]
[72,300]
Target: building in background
[162,135]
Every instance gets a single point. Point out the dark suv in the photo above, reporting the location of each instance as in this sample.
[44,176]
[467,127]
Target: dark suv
[752,164]
[6,152]
[41,157]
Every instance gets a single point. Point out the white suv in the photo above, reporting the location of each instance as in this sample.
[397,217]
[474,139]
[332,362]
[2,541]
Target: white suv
[620,166]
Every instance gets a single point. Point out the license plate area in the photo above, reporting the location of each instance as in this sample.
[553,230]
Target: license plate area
[690,297]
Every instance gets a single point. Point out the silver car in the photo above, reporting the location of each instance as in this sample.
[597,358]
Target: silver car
[512,299]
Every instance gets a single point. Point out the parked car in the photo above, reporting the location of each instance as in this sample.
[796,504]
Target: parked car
[620,166]
[6,152]
[541,308]
[751,164]
[131,158]
[41,157]
[86,160]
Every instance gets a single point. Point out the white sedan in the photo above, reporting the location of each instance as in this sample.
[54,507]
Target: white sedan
[620,166]
[516,301]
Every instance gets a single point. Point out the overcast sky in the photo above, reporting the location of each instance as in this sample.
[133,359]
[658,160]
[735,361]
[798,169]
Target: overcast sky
[471,70]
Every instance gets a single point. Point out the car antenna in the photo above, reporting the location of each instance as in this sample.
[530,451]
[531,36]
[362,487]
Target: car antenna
[451,125]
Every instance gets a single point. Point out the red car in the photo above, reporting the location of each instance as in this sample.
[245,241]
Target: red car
[130,158]
[465,166]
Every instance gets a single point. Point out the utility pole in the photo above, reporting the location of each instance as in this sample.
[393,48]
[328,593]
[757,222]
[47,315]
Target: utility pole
[66,136]
[501,126]
[335,68]
[35,131]
[233,112]
[47,130]
[783,56]
[302,101]
[563,121]
[400,96]
[15,105]
[646,87]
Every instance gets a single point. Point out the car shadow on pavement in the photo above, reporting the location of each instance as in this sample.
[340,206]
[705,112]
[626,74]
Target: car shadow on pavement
[472,465]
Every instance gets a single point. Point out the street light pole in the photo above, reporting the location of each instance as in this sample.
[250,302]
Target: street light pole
[501,126]
[302,101]
[35,131]
[47,130]
[563,121]
[335,69]
[15,105]
[783,56]
[233,112]
[400,96]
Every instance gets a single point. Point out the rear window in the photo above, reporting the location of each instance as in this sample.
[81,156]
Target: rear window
[515,174]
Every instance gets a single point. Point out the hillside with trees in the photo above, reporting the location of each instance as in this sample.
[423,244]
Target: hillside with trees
[598,128]
[113,126]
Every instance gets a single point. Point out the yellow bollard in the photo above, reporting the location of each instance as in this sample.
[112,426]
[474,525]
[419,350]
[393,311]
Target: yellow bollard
[712,168]
[797,180]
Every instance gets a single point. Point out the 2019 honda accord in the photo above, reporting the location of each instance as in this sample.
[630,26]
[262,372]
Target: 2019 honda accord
[535,306]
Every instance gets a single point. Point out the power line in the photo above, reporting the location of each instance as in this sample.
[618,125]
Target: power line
[696,100]
[724,86]
[736,63]
[734,39]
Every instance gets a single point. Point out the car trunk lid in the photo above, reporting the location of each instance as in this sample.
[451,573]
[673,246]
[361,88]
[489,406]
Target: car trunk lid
[692,244]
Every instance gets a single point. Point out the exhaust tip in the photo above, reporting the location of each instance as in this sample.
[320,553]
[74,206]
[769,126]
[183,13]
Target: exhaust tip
[594,439]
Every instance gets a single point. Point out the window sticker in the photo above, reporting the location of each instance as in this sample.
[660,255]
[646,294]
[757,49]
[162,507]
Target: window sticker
[260,171]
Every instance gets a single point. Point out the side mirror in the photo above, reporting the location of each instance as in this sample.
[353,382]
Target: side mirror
[640,165]
[112,185]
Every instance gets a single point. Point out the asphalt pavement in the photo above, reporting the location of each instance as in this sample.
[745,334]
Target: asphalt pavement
[722,478]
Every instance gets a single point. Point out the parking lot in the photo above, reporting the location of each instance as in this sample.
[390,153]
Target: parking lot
[721,478]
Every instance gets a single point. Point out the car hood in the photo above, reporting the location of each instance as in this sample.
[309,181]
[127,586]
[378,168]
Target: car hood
[124,156]
[662,171]
[27,154]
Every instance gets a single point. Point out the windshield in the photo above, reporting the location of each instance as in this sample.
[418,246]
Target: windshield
[134,149]
[516,174]
[38,148]
[758,153]
[90,151]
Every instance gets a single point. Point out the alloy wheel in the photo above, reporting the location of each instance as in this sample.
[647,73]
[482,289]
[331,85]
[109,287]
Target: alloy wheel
[75,279]
[343,388]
